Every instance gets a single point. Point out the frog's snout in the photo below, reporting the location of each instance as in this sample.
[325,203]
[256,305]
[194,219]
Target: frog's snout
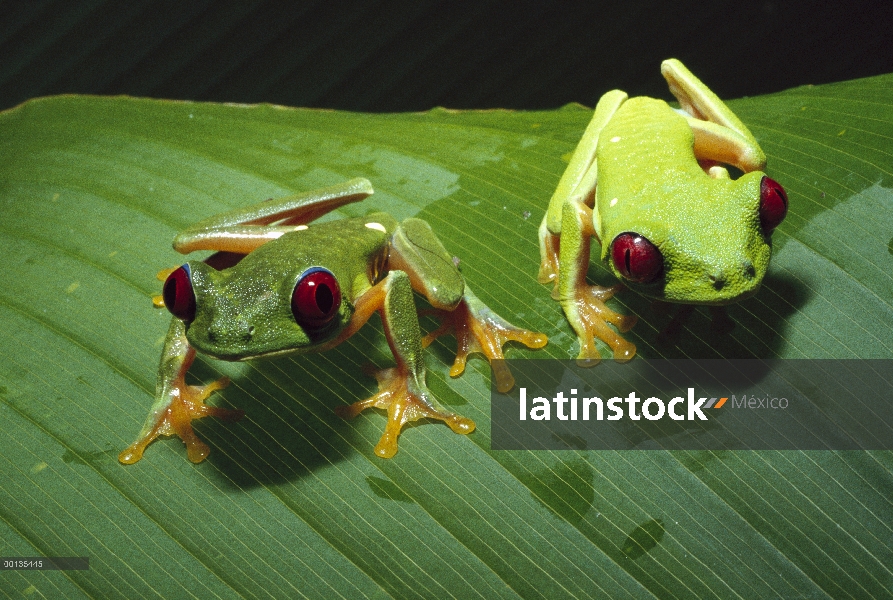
[719,278]
[236,333]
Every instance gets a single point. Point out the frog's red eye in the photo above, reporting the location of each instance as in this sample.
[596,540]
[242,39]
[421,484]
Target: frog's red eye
[773,204]
[178,295]
[636,258]
[316,297]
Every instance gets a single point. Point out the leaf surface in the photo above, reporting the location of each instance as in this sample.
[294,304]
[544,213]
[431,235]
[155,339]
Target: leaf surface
[292,502]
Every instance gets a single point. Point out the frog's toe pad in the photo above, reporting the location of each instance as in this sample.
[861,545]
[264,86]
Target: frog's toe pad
[404,404]
[479,329]
[589,316]
[176,418]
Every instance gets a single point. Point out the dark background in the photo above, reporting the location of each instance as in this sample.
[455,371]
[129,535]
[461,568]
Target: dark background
[408,56]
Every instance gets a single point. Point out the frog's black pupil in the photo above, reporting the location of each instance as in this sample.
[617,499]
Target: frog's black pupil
[324,299]
[170,293]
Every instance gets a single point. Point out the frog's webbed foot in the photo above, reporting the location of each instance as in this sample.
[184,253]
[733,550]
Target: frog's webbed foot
[589,316]
[187,402]
[401,390]
[479,329]
[176,402]
[405,400]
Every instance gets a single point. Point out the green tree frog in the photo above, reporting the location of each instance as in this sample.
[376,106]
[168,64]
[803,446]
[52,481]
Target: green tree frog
[647,182]
[277,285]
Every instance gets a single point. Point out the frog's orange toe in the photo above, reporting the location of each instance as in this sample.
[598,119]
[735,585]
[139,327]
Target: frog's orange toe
[176,418]
[405,402]
[479,329]
[590,316]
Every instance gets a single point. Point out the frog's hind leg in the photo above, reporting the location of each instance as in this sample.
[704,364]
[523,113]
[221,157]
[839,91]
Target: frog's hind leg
[719,135]
[244,230]
[416,250]
[577,184]
[402,390]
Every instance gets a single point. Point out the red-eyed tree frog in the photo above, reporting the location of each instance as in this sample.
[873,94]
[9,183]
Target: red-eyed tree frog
[647,182]
[279,285]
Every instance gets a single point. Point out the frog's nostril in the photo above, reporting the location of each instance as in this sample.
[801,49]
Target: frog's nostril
[749,270]
[717,279]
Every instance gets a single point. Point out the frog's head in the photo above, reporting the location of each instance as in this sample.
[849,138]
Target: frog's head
[705,244]
[231,316]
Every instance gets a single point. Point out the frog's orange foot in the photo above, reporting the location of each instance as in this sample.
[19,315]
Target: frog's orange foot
[176,418]
[479,329]
[404,404]
[589,316]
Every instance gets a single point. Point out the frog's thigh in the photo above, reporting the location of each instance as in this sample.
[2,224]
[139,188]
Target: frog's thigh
[579,178]
[241,239]
[416,250]
[698,100]
[721,144]
[293,210]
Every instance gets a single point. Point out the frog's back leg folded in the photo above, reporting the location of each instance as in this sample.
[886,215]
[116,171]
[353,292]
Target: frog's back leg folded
[418,261]
[719,135]
[245,229]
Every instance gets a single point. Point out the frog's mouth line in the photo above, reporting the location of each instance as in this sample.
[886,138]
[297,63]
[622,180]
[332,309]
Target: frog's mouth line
[730,301]
[233,358]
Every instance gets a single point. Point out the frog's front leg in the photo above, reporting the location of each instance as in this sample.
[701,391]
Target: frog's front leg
[584,304]
[416,250]
[402,389]
[176,402]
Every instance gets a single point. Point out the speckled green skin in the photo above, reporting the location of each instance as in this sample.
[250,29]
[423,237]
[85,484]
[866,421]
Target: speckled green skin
[707,229]
[641,158]
[245,311]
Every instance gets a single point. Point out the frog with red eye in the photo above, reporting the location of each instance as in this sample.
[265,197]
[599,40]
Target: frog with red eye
[277,285]
[648,183]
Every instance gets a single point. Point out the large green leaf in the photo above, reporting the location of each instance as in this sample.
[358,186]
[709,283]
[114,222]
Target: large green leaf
[291,501]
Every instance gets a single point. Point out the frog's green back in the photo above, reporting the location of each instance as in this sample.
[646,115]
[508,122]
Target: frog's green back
[707,229]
